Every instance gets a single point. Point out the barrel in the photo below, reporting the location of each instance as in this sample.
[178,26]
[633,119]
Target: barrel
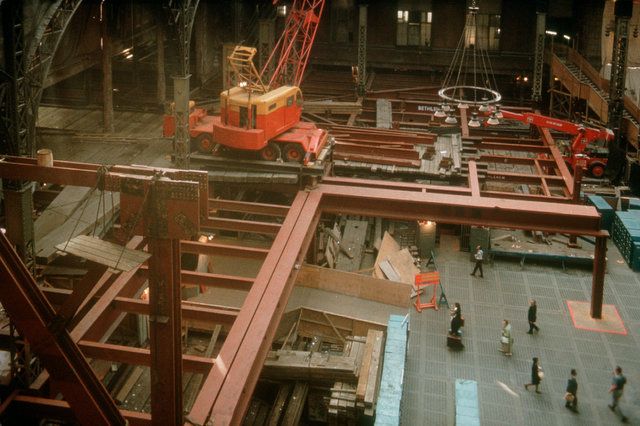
[45,157]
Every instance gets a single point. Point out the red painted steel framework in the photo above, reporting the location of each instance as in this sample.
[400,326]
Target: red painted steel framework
[232,375]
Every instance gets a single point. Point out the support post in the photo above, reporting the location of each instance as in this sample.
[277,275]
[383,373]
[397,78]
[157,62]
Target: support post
[362,51]
[161,84]
[599,268]
[107,75]
[538,64]
[623,10]
[164,333]
[181,143]
[577,186]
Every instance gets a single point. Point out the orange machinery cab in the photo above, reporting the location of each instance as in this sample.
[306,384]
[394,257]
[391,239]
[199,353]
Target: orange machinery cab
[268,123]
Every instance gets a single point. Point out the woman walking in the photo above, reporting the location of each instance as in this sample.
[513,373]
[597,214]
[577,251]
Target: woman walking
[536,375]
[505,339]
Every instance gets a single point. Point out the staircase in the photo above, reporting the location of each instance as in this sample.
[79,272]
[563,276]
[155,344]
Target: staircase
[582,74]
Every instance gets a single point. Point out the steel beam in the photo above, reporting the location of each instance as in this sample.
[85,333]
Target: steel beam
[492,212]
[218,249]
[139,356]
[238,225]
[474,184]
[261,209]
[33,315]
[165,331]
[227,389]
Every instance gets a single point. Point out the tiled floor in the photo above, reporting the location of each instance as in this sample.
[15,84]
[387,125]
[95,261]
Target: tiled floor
[431,368]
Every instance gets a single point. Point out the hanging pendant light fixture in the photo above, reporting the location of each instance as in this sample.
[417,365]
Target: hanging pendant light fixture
[497,112]
[474,122]
[440,113]
[493,120]
[451,119]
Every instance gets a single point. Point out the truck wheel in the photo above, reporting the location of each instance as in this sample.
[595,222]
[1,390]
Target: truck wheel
[204,143]
[597,170]
[271,152]
[293,153]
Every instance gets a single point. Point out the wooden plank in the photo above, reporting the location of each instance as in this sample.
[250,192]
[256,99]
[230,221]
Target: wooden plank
[357,285]
[296,404]
[389,245]
[389,271]
[353,238]
[60,209]
[363,376]
[278,406]
[103,252]
[403,264]
[375,367]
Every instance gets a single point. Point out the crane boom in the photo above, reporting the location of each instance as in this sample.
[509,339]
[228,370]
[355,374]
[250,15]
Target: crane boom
[295,43]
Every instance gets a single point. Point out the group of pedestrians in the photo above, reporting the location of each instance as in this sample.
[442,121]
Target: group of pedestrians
[537,374]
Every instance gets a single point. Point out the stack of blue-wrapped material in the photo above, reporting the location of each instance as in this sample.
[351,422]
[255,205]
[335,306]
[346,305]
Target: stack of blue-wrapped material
[625,233]
[604,209]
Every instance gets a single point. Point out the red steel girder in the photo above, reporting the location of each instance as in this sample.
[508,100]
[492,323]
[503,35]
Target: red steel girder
[239,225]
[139,356]
[261,209]
[227,389]
[214,248]
[34,316]
[513,177]
[492,212]
[499,146]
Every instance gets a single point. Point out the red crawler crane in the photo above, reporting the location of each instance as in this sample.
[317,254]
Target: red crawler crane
[260,117]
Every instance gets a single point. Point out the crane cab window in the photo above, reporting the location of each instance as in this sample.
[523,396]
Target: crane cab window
[290,101]
[244,117]
[272,106]
[299,100]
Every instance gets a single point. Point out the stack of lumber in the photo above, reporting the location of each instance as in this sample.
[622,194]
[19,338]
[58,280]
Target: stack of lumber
[625,233]
[332,107]
[379,146]
[342,405]
[370,372]
[303,365]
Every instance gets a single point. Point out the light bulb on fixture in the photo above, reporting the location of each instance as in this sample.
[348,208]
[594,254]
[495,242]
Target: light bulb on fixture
[493,120]
[440,113]
[483,108]
[446,108]
[474,122]
[451,119]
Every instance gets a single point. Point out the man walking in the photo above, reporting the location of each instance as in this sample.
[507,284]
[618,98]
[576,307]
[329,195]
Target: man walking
[571,397]
[616,390]
[478,256]
[532,316]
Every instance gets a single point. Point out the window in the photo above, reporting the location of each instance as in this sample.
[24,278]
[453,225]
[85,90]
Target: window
[487,32]
[343,22]
[272,107]
[290,101]
[414,27]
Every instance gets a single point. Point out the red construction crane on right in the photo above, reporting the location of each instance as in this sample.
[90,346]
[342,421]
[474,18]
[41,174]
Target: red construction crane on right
[588,146]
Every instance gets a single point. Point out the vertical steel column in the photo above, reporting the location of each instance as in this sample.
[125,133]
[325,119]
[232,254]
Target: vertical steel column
[164,333]
[18,209]
[538,65]
[597,284]
[161,84]
[362,51]
[182,146]
[577,186]
[623,10]
[107,74]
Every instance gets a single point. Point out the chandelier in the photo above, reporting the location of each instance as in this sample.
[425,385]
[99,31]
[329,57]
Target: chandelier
[469,81]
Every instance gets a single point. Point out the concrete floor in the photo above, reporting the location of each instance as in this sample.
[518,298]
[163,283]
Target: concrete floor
[431,369]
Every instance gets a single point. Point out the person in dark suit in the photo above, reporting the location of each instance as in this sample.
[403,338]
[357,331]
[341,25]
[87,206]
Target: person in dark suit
[456,323]
[535,375]
[571,397]
[532,315]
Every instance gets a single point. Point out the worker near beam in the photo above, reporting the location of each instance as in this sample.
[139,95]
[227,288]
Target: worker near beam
[478,255]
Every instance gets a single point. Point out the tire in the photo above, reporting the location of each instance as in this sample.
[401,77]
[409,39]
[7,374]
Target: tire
[597,170]
[293,153]
[271,152]
[204,143]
